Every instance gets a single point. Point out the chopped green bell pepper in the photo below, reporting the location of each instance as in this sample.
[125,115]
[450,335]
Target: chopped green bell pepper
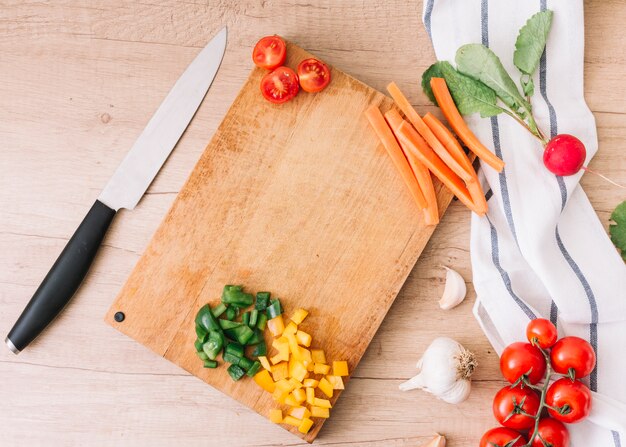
[262,300]
[219,310]
[235,295]
[253,369]
[235,372]
[210,364]
[260,349]
[235,349]
[245,363]
[274,309]
[214,345]
[261,321]
[254,315]
[206,320]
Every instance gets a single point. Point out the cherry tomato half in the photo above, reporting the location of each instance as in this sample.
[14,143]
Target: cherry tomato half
[314,75]
[269,52]
[280,85]
[553,432]
[573,398]
[574,353]
[501,437]
[515,401]
[522,358]
[541,332]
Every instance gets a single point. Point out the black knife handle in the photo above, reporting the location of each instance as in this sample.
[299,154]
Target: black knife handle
[63,279]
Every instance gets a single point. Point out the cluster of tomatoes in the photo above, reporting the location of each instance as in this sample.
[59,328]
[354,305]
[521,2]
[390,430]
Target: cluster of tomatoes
[282,84]
[532,414]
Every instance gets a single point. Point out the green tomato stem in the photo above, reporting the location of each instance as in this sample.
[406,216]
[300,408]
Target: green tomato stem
[542,401]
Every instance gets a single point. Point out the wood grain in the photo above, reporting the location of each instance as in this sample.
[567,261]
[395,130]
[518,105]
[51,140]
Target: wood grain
[300,199]
[80,81]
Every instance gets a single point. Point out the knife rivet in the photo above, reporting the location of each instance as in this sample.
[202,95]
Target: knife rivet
[119,316]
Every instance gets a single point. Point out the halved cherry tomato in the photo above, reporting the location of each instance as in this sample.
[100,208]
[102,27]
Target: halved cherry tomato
[314,75]
[269,52]
[502,437]
[522,359]
[572,398]
[280,85]
[512,405]
[573,353]
[551,431]
[541,332]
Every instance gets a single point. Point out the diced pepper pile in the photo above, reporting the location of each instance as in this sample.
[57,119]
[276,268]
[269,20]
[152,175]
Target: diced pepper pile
[225,335]
[296,376]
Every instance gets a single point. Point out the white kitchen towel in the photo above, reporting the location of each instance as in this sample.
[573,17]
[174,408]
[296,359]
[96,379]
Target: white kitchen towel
[541,251]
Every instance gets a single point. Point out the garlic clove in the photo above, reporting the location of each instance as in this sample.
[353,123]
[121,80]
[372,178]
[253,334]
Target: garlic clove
[437,441]
[454,291]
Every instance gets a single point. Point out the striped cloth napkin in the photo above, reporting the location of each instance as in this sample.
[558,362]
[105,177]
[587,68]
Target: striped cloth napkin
[541,250]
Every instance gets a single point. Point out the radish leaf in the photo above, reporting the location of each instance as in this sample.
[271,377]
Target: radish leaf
[618,229]
[531,41]
[470,95]
[480,63]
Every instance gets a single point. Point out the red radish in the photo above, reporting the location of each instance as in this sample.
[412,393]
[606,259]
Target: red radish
[564,155]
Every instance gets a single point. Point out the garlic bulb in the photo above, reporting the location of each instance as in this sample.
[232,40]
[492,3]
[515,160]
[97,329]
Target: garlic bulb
[444,371]
[455,290]
[437,441]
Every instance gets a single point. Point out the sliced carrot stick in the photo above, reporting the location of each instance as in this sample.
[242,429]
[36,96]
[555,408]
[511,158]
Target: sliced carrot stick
[411,141]
[452,145]
[386,136]
[446,103]
[422,174]
[425,132]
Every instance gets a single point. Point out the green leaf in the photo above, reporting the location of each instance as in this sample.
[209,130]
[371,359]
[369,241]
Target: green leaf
[528,86]
[470,96]
[531,42]
[479,62]
[618,229]
[431,72]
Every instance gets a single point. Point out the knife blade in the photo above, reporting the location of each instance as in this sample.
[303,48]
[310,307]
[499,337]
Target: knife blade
[124,190]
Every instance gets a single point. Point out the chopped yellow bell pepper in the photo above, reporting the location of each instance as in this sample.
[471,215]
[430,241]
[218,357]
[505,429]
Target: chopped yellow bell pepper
[309,366]
[264,362]
[280,371]
[336,381]
[291,328]
[324,403]
[279,395]
[290,420]
[291,401]
[299,395]
[321,368]
[303,338]
[293,345]
[305,355]
[276,326]
[298,371]
[326,387]
[319,412]
[299,412]
[284,385]
[340,368]
[305,425]
[317,355]
[264,380]
[299,315]
[310,395]
[276,415]
[295,383]
[310,383]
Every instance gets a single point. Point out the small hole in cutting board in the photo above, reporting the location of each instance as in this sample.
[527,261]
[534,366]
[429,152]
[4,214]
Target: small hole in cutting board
[119,316]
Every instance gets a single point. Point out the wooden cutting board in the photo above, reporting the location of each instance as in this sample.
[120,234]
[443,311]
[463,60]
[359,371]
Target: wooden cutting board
[299,199]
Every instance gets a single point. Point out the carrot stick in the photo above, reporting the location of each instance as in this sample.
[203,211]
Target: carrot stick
[411,141]
[431,213]
[425,132]
[381,128]
[446,103]
[452,145]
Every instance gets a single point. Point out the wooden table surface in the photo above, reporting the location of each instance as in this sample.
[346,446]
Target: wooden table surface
[79,81]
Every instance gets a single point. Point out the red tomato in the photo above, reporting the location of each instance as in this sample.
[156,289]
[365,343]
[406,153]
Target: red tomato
[574,353]
[522,358]
[501,437]
[541,332]
[572,398]
[280,85]
[551,431]
[269,52]
[514,401]
[314,75]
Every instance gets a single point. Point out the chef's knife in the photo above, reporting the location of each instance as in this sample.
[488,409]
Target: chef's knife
[124,190]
